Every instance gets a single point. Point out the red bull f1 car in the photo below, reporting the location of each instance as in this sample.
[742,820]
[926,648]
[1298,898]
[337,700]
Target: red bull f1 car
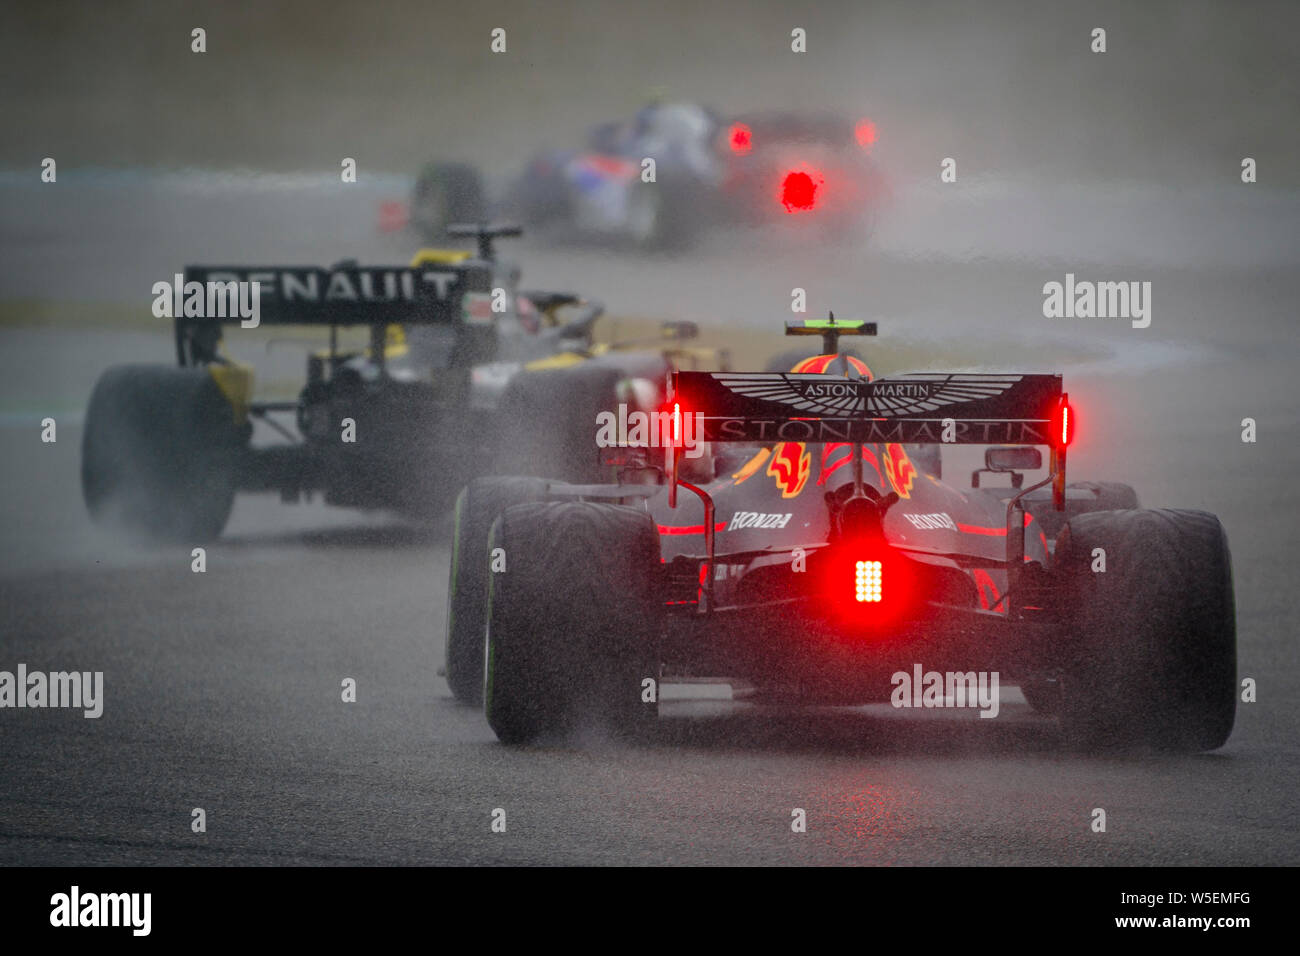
[797,535]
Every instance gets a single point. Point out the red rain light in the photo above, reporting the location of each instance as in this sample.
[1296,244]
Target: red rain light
[1063,424]
[851,585]
[865,132]
[799,191]
[741,139]
[672,424]
[869,582]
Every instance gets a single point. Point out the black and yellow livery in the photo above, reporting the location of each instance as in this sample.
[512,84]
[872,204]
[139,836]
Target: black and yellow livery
[464,375]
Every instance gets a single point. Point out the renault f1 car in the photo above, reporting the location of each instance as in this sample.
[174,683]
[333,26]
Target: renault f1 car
[463,375]
[798,537]
[777,166]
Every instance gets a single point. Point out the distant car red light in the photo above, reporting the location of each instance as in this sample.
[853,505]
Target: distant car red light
[799,190]
[741,139]
[865,133]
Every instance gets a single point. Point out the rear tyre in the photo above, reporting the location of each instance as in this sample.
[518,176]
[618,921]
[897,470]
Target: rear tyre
[1154,659]
[160,453]
[446,193]
[665,217]
[478,505]
[549,422]
[1097,496]
[573,622]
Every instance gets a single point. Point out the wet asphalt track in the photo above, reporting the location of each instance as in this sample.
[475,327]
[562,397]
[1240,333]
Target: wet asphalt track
[223,689]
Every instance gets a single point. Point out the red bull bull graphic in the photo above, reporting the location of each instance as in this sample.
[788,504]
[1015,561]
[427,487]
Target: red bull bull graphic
[899,470]
[791,465]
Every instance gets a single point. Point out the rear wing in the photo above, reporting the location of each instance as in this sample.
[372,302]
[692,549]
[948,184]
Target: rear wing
[830,330]
[347,295]
[926,408]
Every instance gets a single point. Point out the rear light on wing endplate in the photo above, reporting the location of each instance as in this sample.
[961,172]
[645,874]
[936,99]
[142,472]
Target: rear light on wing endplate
[1063,424]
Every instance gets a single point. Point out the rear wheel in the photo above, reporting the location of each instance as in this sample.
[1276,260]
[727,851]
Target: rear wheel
[664,216]
[549,422]
[446,193]
[478,505]
[160,453]
[573,621]
[1082,497]
[1153,660]
[645,215]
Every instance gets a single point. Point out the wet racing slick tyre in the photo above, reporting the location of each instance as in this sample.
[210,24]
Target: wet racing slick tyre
[549,422]
[1082,497]
[1152,660]
[477,507]
[665,217]
[446,193]
[573,621]
[160,453]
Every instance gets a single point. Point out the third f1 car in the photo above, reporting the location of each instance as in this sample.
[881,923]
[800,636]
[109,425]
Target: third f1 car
[791,167]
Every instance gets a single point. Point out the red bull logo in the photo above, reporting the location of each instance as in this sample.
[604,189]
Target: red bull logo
[791,465]
[899,470]
[836,455]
